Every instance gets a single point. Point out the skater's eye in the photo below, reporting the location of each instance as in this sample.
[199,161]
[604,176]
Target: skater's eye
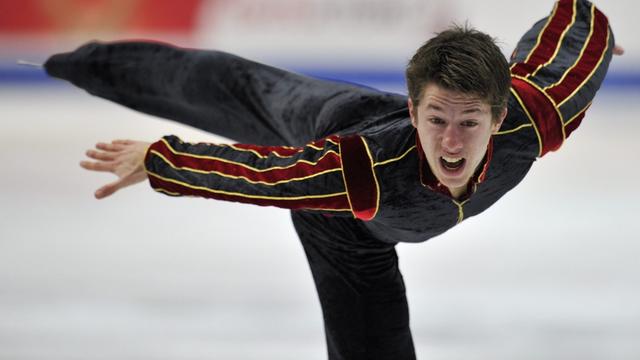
[469,123]
[436,121]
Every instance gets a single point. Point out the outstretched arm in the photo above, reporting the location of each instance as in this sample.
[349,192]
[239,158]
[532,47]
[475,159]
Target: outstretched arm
[558,66]
[334,174]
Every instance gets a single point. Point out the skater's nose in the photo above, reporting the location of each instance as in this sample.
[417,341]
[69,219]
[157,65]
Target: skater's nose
[452,140]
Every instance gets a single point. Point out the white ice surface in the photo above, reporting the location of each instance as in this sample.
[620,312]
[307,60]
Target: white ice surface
[550,272]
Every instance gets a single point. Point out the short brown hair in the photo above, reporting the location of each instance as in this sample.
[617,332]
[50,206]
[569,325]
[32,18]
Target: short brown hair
[465,60]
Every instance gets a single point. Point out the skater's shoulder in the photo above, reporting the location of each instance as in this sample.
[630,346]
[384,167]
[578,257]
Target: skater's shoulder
[390,140]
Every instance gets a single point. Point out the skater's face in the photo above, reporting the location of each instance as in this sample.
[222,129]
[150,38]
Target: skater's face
[454,130]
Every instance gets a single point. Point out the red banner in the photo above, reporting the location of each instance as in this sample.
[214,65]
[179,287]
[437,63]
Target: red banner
[46,16]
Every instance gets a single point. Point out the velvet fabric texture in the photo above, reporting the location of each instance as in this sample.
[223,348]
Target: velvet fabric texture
[558,63]
[360,287]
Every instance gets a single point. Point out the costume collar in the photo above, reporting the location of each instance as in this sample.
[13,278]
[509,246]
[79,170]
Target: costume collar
[429,180]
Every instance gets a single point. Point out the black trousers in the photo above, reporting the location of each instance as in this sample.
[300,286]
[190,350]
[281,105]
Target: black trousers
[360,287]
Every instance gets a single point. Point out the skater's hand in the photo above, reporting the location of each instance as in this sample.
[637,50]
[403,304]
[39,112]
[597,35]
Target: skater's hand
[124,158]
[618,50]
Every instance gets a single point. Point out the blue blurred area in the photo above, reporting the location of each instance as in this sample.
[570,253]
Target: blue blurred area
[615,80]
[17,75]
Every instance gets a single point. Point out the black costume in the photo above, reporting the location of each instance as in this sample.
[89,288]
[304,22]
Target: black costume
[365,185]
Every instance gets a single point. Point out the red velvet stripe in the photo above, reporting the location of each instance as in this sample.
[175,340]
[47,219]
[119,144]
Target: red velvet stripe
[337,202]
[586,64]
[548,41]
[299,169]
[544,115]
[359,177]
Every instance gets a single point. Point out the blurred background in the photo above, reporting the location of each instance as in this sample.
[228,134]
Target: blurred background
[549,272]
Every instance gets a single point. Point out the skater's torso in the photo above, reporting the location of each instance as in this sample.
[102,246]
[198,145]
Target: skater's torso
[412,206]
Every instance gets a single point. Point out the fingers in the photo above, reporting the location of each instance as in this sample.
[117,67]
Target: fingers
[618,50]
[97,155]
[107,190]
[122,142]
[123,158]
[107,166]
[131,179]
[106,158]
[115,145]
[110,147]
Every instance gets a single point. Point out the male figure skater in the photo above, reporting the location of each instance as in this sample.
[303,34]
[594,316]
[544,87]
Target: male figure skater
[361,170]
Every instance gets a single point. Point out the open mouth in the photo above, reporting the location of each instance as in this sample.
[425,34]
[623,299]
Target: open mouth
[452,164]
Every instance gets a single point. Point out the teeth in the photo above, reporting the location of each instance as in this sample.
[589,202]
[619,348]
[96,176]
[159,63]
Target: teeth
[450,159]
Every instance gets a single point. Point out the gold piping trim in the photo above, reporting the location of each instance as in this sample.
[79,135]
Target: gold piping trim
[396,158]
[535,47]
[311,145]
[460,209]
[564,32]
[555,107]
[171,149]
[161,190]
[595,68]
[248,196]
[375,178]
[344,179]
[578,113]
[220,144]
[528,81]
[584,47]
[198,171]
[513,130]
[299,149]
[530,119]
[260,155]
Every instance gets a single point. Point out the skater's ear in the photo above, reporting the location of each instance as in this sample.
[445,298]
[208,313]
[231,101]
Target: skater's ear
[413,113]
[496,123]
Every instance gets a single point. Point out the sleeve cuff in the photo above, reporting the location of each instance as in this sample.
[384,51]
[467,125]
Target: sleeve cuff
[360,180]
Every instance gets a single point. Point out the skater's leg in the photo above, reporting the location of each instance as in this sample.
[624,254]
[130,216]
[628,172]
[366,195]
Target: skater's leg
[360,287]
[219,93]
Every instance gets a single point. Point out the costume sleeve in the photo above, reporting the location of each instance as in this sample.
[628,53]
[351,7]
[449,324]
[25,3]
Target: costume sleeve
[334,174]
[211,90]
[557,68]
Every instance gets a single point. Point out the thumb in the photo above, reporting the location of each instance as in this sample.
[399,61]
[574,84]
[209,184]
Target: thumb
[109,189]
[131,179]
